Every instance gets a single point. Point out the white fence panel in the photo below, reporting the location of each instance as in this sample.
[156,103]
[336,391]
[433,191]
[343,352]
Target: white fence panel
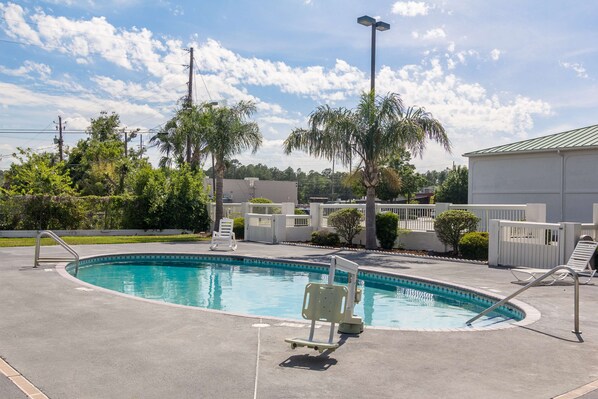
[529,244]
[487,212]
[298,228]
[259,228]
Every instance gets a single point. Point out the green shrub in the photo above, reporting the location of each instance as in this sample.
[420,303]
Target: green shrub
[300,212]
[260,200]
[239,228]
[451,225]
[474,245]
[325,238]
[387,229]
[42,212]
[347,223]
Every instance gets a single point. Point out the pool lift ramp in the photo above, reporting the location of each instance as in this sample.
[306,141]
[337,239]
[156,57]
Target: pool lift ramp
[331,303]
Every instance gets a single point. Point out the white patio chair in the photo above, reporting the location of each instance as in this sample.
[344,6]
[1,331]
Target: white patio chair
[224,235]
[579,262]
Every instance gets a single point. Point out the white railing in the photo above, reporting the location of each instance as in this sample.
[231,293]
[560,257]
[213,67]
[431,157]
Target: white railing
[420,217]
[487,212]
[298,221]
[264,209]
[411,216]
[529,244]
[327,209]
[230,210]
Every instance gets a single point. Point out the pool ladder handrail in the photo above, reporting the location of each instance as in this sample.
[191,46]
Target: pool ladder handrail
[536,282]
[48,233]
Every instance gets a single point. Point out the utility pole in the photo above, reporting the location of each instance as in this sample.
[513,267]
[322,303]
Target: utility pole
[189,101]
[140,145]
[60,141]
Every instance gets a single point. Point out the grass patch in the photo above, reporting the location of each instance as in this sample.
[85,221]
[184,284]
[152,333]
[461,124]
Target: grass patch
[91,240]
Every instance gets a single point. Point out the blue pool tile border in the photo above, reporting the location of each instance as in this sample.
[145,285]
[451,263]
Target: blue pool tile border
[433,287]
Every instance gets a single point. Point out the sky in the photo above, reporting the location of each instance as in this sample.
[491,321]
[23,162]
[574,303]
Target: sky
[492,72]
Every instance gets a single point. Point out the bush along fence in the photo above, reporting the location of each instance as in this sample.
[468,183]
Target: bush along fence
[415,223]
[71,213]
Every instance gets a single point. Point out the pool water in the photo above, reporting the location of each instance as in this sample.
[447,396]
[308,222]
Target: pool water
[278,292]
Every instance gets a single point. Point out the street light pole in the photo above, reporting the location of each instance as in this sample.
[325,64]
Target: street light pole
[376,25]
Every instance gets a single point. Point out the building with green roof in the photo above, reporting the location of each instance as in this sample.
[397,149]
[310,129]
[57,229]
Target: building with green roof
[559,170]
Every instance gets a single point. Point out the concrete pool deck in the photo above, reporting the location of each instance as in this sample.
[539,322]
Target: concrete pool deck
[71,342]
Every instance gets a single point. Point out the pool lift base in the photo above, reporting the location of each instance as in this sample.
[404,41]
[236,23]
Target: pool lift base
[333,304]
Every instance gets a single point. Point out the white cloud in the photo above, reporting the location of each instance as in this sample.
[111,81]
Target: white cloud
[27,69]
[16,26]
[434,34]
[472,116]
[410,8]
[495,54]
[315,81]
[579,69]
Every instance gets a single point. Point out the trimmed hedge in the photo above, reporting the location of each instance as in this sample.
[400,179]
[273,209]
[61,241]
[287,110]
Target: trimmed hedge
[325,238]
[387,224]
[239,227]
[451,225]
[474,245]
[347,223]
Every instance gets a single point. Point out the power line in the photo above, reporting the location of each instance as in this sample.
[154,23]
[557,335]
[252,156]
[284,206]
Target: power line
[204,83]
[73,132]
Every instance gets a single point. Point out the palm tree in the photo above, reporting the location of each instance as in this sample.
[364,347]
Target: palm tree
[375,130]
[170,141]
[226,132]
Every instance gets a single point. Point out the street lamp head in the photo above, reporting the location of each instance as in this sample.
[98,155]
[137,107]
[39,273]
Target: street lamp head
[382,26]
[366,20]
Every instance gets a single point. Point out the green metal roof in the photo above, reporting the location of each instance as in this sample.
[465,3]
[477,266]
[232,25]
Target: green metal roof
[583,138]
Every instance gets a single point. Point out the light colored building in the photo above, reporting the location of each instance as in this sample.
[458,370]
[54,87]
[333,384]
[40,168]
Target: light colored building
[560,170]
[237,190]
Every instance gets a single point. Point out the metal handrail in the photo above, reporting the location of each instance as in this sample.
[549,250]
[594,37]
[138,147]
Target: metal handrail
[51,234]
[536,282]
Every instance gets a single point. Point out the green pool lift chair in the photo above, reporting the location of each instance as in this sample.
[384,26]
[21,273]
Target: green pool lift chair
[332,304]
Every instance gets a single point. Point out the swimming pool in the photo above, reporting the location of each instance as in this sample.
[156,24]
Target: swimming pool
[272,288]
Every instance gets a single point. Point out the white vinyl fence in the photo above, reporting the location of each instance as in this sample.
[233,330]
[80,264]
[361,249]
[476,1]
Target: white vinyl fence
[488,212]
[420,217]
[539,245]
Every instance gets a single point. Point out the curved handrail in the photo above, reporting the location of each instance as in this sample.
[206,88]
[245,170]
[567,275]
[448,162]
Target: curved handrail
[536,282]
[51,234]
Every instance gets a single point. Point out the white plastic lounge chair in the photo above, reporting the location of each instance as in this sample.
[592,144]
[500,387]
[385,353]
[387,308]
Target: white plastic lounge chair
[579,262]
[224,235]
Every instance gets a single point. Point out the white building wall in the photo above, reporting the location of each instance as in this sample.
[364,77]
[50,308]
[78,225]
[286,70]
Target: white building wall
[237,190]
[567,182]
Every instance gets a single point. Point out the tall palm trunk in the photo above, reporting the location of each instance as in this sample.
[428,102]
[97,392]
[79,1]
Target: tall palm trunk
[220,167]
[370,218]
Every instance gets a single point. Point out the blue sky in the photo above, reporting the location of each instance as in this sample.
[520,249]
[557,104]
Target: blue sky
[492,72]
